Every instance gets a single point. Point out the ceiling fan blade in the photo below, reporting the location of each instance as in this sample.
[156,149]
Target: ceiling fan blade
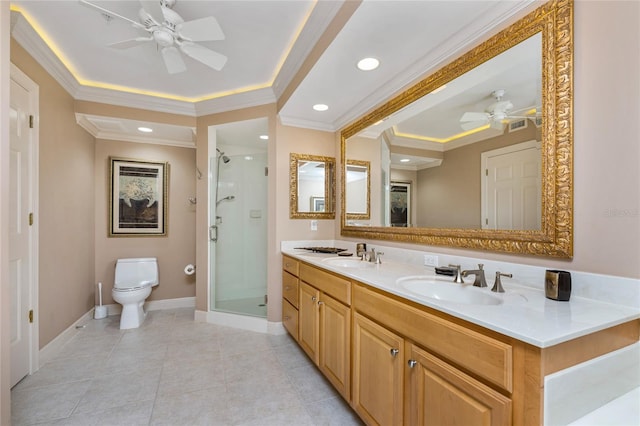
[126,44]
[203,29]
[208,57]
[471,125]
[173,60]
[475,116]
[153,8]
[112,14]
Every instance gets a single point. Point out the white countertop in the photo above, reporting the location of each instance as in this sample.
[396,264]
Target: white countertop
[525,313]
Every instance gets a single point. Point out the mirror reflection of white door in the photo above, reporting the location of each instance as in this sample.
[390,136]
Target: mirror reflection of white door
[511,187]
[22,239]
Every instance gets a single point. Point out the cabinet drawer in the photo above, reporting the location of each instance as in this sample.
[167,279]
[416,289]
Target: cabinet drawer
[290,288]
[482,355]
[290,318]
[338,288]
[290,265]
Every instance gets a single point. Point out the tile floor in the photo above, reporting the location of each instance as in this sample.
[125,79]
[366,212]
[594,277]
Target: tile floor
[174,371]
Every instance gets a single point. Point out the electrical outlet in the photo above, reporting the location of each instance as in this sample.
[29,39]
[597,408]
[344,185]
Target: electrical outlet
[314,225]
[430,260]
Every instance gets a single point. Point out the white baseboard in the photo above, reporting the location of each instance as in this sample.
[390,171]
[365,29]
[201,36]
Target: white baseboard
[50,349]
[182,302]
[242,322]
[157,305]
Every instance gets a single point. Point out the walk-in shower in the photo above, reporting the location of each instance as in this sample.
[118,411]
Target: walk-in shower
[238,218]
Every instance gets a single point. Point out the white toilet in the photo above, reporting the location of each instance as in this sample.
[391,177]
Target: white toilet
[133,281]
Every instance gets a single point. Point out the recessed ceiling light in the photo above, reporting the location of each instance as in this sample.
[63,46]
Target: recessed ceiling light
[248,157]
[264,137]
[368,64]
[145,129]
[405,160]
[320,107]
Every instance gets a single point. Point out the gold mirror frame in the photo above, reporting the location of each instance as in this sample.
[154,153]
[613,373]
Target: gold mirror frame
[366,215]
[555,237]
[329,187]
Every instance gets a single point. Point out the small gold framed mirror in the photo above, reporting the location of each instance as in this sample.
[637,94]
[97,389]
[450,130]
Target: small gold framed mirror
[311,186]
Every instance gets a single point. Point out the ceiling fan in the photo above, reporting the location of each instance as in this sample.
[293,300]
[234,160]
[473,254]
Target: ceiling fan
[495,114]
[172,34]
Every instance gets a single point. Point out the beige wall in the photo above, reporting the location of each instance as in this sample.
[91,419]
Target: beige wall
[606,148]
[449,195]
[66,222]
[173,251]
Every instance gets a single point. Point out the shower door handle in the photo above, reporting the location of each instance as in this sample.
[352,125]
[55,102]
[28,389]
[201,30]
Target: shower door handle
[213,233]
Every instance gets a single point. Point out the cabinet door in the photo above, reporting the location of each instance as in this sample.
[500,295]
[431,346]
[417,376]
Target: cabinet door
[378,364]
[442,395]
[290,318]
[335,343]
[309,321]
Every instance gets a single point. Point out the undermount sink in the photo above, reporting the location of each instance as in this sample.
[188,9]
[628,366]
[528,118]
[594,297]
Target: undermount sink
[347,263]
[445,291]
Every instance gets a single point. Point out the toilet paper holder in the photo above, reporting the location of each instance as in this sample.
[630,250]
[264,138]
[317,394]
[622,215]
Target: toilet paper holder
[190,269]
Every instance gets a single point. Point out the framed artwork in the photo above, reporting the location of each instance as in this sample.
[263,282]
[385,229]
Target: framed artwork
[317,204]
[400,204]
[137,198]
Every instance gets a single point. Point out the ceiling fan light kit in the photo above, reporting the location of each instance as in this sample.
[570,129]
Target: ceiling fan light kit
[172,34]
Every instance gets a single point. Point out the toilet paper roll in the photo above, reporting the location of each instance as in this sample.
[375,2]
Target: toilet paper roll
[190,269]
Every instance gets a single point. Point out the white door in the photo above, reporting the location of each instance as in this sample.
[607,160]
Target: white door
[511,194]
[21,232]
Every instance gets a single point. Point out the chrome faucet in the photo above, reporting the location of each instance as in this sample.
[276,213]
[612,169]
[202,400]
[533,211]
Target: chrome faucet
[372,256]
[497,286]
[480,280]
[457,277]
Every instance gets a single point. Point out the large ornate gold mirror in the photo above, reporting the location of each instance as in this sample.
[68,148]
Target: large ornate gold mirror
[483,147]
[311,186]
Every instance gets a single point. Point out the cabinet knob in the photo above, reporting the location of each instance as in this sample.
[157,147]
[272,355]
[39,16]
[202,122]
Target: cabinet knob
[287,288]
[320,303]
[313,298]
[394,351]
[412,363]
[287,317]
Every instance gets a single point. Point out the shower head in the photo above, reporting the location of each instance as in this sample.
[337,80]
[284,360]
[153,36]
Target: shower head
[225,159]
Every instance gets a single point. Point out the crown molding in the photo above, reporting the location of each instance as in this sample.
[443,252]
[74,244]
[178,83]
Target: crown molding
[306,124]
[84,122]
[320,18]
[236,101]
[27,37]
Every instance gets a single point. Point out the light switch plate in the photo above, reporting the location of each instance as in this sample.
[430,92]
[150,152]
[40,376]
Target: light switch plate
[314,225]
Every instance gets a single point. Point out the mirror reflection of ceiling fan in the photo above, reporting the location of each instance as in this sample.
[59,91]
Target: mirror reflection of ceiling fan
[171,34]
[496,115]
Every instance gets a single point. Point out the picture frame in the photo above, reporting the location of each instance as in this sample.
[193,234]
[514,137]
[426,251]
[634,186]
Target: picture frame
[400,204]
[317,204]
[138,198]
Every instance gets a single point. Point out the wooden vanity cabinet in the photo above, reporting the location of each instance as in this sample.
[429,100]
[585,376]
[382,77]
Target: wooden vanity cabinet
[378,373]
[290,294]
[439,394]
[404,373]
[324,324]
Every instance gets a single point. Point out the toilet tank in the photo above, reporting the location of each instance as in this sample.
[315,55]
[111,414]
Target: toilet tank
[136,272]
